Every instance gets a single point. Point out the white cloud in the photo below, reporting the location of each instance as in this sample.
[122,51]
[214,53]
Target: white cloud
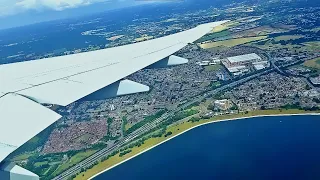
[53,4]
[9,7]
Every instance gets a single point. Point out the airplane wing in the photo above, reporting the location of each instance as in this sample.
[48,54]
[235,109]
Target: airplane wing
[62,80]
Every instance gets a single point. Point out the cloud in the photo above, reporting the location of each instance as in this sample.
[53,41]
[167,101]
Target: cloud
[54,4]
[10,7]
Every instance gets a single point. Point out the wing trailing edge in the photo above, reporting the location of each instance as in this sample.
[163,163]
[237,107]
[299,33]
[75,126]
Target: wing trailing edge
[66,79]
[21,119]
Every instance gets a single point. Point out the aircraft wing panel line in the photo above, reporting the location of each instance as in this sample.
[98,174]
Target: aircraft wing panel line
[65,79]
[81,85]
[61,85]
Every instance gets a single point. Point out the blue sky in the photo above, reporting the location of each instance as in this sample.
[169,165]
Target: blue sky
[22,12]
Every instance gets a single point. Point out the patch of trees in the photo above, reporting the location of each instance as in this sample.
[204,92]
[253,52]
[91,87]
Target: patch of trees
[264,108]
[314,108]
[291,106]
[194,119]
[308,87]
[316,100]
[124,122]
[184,114]
[168,134]
[234,107]
[159,134]
[125,152]
[178,116]
[109,136]
[99,146]
[297,106]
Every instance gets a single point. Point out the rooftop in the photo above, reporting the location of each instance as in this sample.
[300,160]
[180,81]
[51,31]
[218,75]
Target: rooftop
[245,57]
[236,68]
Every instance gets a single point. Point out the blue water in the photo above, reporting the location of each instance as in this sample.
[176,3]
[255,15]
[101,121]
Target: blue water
[267,148]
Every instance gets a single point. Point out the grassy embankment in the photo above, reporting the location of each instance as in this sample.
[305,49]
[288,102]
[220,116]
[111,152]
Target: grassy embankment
[173,130]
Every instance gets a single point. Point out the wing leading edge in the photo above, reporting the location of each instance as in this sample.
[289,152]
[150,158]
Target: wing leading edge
[66,79]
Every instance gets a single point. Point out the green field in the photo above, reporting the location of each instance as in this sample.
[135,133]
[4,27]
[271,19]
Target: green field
[314,63]
[218,32]
[73,160]
[231,42]
[175,129]
[128,126]
[38,164]
[306,47]
[312,46]
[205,84]
[213,36]
[22,157]
[224,26]
[213,67]
[287,37]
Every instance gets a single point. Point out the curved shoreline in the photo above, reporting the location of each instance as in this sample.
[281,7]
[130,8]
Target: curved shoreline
[202,124]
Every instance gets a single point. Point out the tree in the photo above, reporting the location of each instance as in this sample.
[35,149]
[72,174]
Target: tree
[308,87]
[210,107]
[168,134]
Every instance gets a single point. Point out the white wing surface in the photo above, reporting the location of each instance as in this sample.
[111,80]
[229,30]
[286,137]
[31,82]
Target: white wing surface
[66,79]
[21,119]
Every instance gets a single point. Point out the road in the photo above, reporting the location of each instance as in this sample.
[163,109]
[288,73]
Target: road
[146,128]
[279,70]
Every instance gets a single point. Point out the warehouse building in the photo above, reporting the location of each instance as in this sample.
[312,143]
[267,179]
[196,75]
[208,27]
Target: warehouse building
[239,65]
[243,60]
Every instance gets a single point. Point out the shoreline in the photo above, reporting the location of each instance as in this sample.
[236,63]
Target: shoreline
[202,124]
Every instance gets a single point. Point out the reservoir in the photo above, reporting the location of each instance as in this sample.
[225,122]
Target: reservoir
[262,148]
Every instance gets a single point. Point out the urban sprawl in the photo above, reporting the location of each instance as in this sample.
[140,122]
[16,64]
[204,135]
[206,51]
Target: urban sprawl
[266,58]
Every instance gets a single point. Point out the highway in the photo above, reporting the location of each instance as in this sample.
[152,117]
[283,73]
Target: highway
[147,127]
[305,79]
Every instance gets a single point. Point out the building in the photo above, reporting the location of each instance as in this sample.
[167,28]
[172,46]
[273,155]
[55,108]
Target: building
[261,65]
[243,60]
[224,104]
[212,61]
[204,63]
[239,65]
[315,80]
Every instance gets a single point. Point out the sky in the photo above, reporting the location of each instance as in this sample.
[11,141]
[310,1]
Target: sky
[23,12]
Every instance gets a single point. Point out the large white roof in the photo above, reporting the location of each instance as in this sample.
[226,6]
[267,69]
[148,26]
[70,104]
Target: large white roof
[245,57]
[236,68]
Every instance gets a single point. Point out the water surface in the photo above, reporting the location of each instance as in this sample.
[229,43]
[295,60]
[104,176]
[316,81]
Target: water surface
[258,148]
